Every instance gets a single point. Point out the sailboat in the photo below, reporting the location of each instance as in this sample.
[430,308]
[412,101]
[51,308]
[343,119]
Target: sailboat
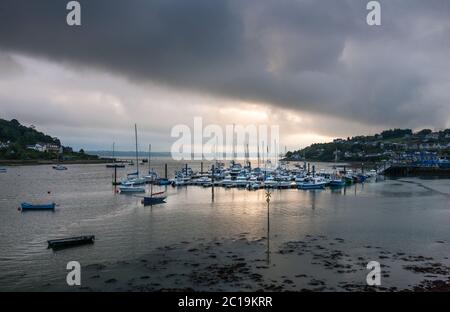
[152,175]
[59,166]
[154,198]
[114,164]
[130,184]
[336,180]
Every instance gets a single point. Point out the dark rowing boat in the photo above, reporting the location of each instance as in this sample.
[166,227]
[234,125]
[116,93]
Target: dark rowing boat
[71,241]
[154,199]
[28,206]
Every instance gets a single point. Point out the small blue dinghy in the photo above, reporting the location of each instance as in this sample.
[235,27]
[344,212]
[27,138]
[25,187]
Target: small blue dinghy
[28,206]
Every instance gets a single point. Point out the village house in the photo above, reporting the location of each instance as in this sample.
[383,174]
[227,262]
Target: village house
[432,136]
[42,147]
[4,145]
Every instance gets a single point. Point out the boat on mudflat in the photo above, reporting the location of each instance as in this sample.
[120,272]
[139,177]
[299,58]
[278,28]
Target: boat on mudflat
[71,241]
[29,206]
[2,170]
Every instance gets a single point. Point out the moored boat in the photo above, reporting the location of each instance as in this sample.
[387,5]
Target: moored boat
[29,206]
[270,182]
[337,182]
[131,189]
[312,184]
[163,181]
[59,167]
[71,241]
[154,199]
[115,165]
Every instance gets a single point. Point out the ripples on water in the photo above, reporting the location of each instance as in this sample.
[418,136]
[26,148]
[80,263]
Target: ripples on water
[409,214]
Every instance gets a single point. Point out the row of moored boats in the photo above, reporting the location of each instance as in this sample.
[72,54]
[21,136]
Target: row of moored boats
[280,177]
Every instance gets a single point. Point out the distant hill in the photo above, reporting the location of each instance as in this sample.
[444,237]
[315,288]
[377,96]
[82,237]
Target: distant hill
[19,142]
[386,145]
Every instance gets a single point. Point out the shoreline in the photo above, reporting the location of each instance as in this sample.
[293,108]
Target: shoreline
[315,263]
[34,162]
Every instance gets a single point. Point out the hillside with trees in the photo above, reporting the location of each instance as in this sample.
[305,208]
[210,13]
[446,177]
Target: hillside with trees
[387,145]
[19,142]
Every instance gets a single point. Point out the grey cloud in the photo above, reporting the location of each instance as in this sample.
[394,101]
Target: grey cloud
[316,56]
[9,67]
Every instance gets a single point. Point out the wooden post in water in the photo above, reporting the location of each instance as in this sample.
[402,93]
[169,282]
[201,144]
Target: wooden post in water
[308,168]
[314,170]
[201,167]
[212,182]
[115,175]
[165,171]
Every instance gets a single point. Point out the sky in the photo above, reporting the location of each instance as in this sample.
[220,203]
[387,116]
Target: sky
[313,67]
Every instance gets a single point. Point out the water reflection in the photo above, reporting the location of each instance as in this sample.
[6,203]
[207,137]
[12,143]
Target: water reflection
[268,195]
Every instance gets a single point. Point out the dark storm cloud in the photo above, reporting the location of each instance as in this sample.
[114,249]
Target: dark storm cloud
[317,56]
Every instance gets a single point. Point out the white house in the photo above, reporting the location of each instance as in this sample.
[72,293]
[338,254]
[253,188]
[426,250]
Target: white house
[37,147]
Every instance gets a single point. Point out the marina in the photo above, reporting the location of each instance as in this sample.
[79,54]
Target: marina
[238,176]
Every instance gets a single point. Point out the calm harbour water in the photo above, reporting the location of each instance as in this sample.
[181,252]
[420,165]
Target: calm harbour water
[408,214]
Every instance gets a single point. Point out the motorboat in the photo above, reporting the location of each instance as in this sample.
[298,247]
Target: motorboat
[134,181]
[241,180]
[227,181]
[203,181]
[163,181]
[254,185]
[59,167]
[337,182]
[312,183]
[131,189]
[270,182]
[151,177]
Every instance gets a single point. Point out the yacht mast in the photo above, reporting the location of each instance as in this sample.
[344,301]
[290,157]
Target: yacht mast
[137,158]
[149,159]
